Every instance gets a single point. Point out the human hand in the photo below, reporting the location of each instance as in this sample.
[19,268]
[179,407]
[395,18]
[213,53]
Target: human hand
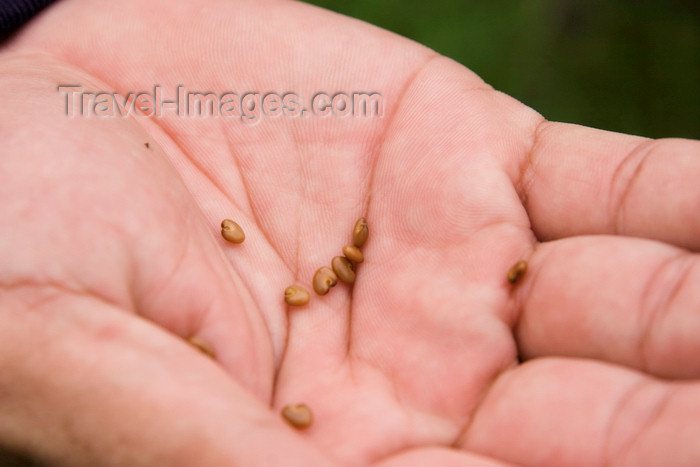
[112,258]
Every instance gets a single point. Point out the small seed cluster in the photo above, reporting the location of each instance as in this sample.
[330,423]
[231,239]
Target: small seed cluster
[342,268]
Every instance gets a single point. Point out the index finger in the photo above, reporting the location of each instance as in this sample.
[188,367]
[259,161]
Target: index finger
[581,181]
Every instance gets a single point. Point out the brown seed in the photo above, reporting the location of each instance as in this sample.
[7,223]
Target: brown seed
[517,271]
[343,269]
[324,279]
[353,253]
[299,416]
[202,345]
[295,295]
[360,232]
[232,231]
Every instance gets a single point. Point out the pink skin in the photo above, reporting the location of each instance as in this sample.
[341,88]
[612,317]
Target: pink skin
[112,257]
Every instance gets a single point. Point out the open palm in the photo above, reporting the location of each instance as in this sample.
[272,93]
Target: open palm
[112,257]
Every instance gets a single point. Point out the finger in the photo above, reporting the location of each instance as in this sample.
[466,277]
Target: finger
[444,457]
[86,384]
[571,412]
[630,301]
[583,181]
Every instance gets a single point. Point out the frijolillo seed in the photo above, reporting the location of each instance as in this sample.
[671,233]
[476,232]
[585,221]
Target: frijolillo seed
[360,232]
[232,231]
[295,295]
[299,416]
[516,272]
[353,253]
[323,280]
[342,267]
[202,345]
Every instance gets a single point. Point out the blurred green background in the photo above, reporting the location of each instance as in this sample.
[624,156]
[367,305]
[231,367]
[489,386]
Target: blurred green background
[624,65]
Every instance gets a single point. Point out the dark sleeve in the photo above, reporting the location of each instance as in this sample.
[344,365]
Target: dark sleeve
[14,13]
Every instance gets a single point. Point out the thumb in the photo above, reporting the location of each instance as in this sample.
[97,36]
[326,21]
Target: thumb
[84,384]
